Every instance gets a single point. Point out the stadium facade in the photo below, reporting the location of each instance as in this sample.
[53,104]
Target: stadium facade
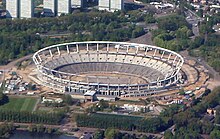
[108,68]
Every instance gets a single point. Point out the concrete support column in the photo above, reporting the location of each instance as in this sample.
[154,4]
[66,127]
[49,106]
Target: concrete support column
[169,57]
[136,50]
[107,47]
[146,51]
[39,58]
[35,61]
[97,47]
[67,49]
[51,55]
[158,79]
[162,54]
[155,52]
[77,48]
[175,78]
[178,63]
[87,48]
[108,88]
[174,59]
[118,48]
[58,50]
[69,86]
[127,48]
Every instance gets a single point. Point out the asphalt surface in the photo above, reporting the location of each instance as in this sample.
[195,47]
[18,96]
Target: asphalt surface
[194,20]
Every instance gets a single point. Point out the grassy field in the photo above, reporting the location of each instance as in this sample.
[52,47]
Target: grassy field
[20,104]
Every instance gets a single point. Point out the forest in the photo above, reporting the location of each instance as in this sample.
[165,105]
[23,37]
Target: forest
[208,43]
[20,37]
[173,33]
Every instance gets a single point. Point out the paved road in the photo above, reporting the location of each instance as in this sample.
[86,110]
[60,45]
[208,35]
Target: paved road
[193,19]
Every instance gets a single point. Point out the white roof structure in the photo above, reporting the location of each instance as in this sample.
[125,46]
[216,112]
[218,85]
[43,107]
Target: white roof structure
[90,93]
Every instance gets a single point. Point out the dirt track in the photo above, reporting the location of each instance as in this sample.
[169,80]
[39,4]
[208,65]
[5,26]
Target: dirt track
[14,62]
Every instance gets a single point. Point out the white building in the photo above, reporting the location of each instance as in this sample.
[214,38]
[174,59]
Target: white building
[111,5]
[116,5]
[76,3]
[50,7]
[63,7]
[104,5]
[26,8]
[12,7]
[136,108]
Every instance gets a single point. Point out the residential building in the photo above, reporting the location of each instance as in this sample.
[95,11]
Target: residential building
[26,8]
[12,8]
[111,5]
[104,5]
[116,5]
[63,7]
[76,3]
[50,7]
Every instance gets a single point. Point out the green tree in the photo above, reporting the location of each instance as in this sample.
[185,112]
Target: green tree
[68,99]
[99,134]
[215,134]
[111,133]
[168,134]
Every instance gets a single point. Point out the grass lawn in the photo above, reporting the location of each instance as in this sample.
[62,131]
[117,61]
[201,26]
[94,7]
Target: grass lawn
[20,104]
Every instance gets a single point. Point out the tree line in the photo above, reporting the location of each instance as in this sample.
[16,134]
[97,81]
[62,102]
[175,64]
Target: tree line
[112,133]
[29,117]
[20,37]
[129,123]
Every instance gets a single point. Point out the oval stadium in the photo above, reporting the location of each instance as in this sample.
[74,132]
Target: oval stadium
[104,68]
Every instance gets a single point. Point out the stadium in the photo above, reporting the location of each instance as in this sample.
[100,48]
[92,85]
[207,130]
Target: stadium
[106,68]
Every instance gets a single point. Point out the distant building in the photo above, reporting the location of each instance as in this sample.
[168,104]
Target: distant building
[116,5]
[76,3]
[26,8]
[63,7]
[12,8]
[111,5]
[136,108]
[50,7]
[104,5]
